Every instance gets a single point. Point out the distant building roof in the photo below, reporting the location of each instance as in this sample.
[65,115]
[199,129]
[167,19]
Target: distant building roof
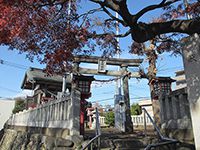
[161,79]
[35,76]
[145,102]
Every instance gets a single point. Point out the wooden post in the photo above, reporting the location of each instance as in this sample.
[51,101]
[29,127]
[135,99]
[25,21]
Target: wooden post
[128,122]
[145,124]
[82,102]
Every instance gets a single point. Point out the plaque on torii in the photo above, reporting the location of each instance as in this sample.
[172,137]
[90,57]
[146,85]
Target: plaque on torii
[122,73]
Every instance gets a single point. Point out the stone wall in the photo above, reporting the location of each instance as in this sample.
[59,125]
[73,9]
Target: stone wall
[175,115]
[19,140]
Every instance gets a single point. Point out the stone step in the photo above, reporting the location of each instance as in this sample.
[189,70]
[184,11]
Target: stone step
[112,139]
[126,143]
[121,144]
[136,148]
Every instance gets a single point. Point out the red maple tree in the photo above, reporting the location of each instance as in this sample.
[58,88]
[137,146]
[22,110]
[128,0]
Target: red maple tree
[45,29]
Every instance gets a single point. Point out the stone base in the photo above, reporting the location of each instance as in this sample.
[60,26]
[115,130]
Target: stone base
[14,140]
[183,135]
[141,127]
[54,132]
[180,129]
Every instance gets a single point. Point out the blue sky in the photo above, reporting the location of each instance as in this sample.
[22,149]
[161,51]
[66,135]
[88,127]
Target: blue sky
[11,77]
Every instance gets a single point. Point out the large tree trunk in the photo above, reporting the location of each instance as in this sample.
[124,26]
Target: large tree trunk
[142,32]
[152,71]
[152,65]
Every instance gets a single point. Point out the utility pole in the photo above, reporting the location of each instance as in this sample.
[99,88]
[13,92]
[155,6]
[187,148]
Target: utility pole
[64,76]
[119,115]
[118,82]
[122,103]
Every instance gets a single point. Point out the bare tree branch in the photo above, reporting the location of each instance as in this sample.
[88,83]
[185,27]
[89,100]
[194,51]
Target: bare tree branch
[125,13]
[114,18]
[119,1]
[152,7]
[107,3]
[114,35]
[119,6]
[90,12]
[124,35]
[111,19]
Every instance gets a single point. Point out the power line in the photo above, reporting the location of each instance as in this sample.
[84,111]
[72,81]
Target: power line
[107,99]
[11,64]
[6,98]
[145,97]
[10,90]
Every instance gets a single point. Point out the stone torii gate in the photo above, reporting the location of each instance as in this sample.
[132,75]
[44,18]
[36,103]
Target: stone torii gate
[123,72]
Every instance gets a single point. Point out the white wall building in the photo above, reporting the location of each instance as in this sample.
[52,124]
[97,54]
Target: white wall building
[180,79]
[6,107]
[147,104]
[138,120]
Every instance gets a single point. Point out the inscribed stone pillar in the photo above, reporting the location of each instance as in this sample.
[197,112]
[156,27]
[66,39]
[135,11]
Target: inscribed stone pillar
[119,113]
[128,122]
[174,107]
[182,106]
[167,107]
[162,109]
[74,112]
[191,55]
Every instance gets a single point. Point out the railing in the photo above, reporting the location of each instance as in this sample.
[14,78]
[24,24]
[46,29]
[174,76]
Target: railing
[51,114]
[61,113]
[163,140]
[96,141]
[138,120]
